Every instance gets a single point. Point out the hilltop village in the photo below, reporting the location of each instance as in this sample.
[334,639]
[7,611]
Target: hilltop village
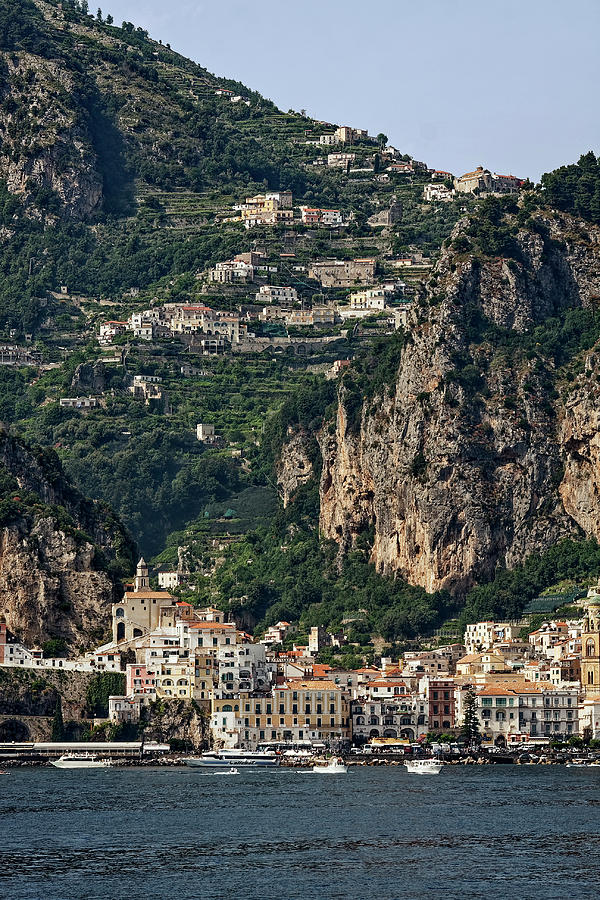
[531,687]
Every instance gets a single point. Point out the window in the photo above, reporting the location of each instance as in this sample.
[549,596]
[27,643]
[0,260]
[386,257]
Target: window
[590,679]
[500,701]
[589,646]
[486,701]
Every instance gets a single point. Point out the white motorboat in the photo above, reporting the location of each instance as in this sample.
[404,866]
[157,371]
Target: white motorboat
[333,766]
[226,759]
[423,766]
[81,761]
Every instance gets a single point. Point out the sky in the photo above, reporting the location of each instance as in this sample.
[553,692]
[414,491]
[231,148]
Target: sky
[511,85]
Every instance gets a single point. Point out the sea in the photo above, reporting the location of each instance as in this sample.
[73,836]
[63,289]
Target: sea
[376,833]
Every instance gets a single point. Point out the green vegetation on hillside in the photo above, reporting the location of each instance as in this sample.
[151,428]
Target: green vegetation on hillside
[286,572]
[575,188]
[508,593]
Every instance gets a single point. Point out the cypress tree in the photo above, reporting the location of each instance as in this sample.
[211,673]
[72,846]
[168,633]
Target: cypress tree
[58,728]
[470,727]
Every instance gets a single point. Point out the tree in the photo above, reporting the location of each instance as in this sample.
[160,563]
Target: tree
[99,15]
[382,139]
[470,727]
[58,728]
[109,19]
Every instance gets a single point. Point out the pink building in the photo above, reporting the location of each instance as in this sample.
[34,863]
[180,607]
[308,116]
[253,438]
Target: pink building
[139,679]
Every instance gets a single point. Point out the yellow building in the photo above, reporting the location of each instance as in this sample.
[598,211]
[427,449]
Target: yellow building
[317,711]
[175,681]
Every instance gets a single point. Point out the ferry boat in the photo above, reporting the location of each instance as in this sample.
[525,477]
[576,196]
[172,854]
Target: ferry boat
[423,766]
[259,759]
[333,766]
[80,761]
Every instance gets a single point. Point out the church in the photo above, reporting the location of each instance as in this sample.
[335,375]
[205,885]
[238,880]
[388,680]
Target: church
[139,610]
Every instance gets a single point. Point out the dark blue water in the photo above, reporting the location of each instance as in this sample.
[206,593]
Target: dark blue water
[526,832]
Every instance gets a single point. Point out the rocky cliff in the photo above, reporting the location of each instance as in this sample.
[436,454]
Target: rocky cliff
[482,449]
[57,551]
[47,155]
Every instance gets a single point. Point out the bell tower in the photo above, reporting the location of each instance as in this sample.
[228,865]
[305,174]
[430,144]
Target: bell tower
[590,651]
[142,582]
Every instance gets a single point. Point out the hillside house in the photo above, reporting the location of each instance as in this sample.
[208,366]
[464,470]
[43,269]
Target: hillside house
[271,293]
[205,433]
[482,181]
[340,160]
[343,273]
[78,402]
[109,331]
[328,217]
[438,193]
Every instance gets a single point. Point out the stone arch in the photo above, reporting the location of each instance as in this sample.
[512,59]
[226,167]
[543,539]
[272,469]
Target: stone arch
[14,730]
[500,741]
[374,732]
[120,631]
[408,734]
[390,733]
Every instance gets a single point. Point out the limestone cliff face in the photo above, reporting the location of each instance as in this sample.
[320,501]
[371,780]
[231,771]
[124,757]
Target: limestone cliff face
[294,468]
[46,145]
[54,550]
[457,467]
[579,435]
[50,585]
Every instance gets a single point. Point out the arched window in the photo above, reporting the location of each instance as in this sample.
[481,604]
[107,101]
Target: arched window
[167,682]
[590,677]
[182,682]
[120,631]
[137,632]
[590,648]
[500,715]
[360,720]
[227,708]
[373,720]
[120,612]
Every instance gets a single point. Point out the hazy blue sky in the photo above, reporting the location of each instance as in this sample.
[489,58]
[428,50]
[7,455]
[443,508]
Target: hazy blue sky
[507,84]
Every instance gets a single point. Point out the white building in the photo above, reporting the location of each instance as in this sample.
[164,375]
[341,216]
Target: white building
[372,298]
[438,192]
[169,580]
[269,293]
[205,432]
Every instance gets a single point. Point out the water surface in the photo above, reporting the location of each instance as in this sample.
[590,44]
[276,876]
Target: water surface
[471,832]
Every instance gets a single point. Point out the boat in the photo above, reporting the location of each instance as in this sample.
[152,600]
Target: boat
[222,759]
[80,761]
[423,766]
[333,766]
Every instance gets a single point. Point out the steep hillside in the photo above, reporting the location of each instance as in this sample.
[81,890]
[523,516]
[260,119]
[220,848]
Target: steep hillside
[120,163]
[60,554]
[483,447]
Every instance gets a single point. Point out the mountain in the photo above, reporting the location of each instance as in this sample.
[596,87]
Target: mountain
[61,556]
[481,448]
[452,455]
